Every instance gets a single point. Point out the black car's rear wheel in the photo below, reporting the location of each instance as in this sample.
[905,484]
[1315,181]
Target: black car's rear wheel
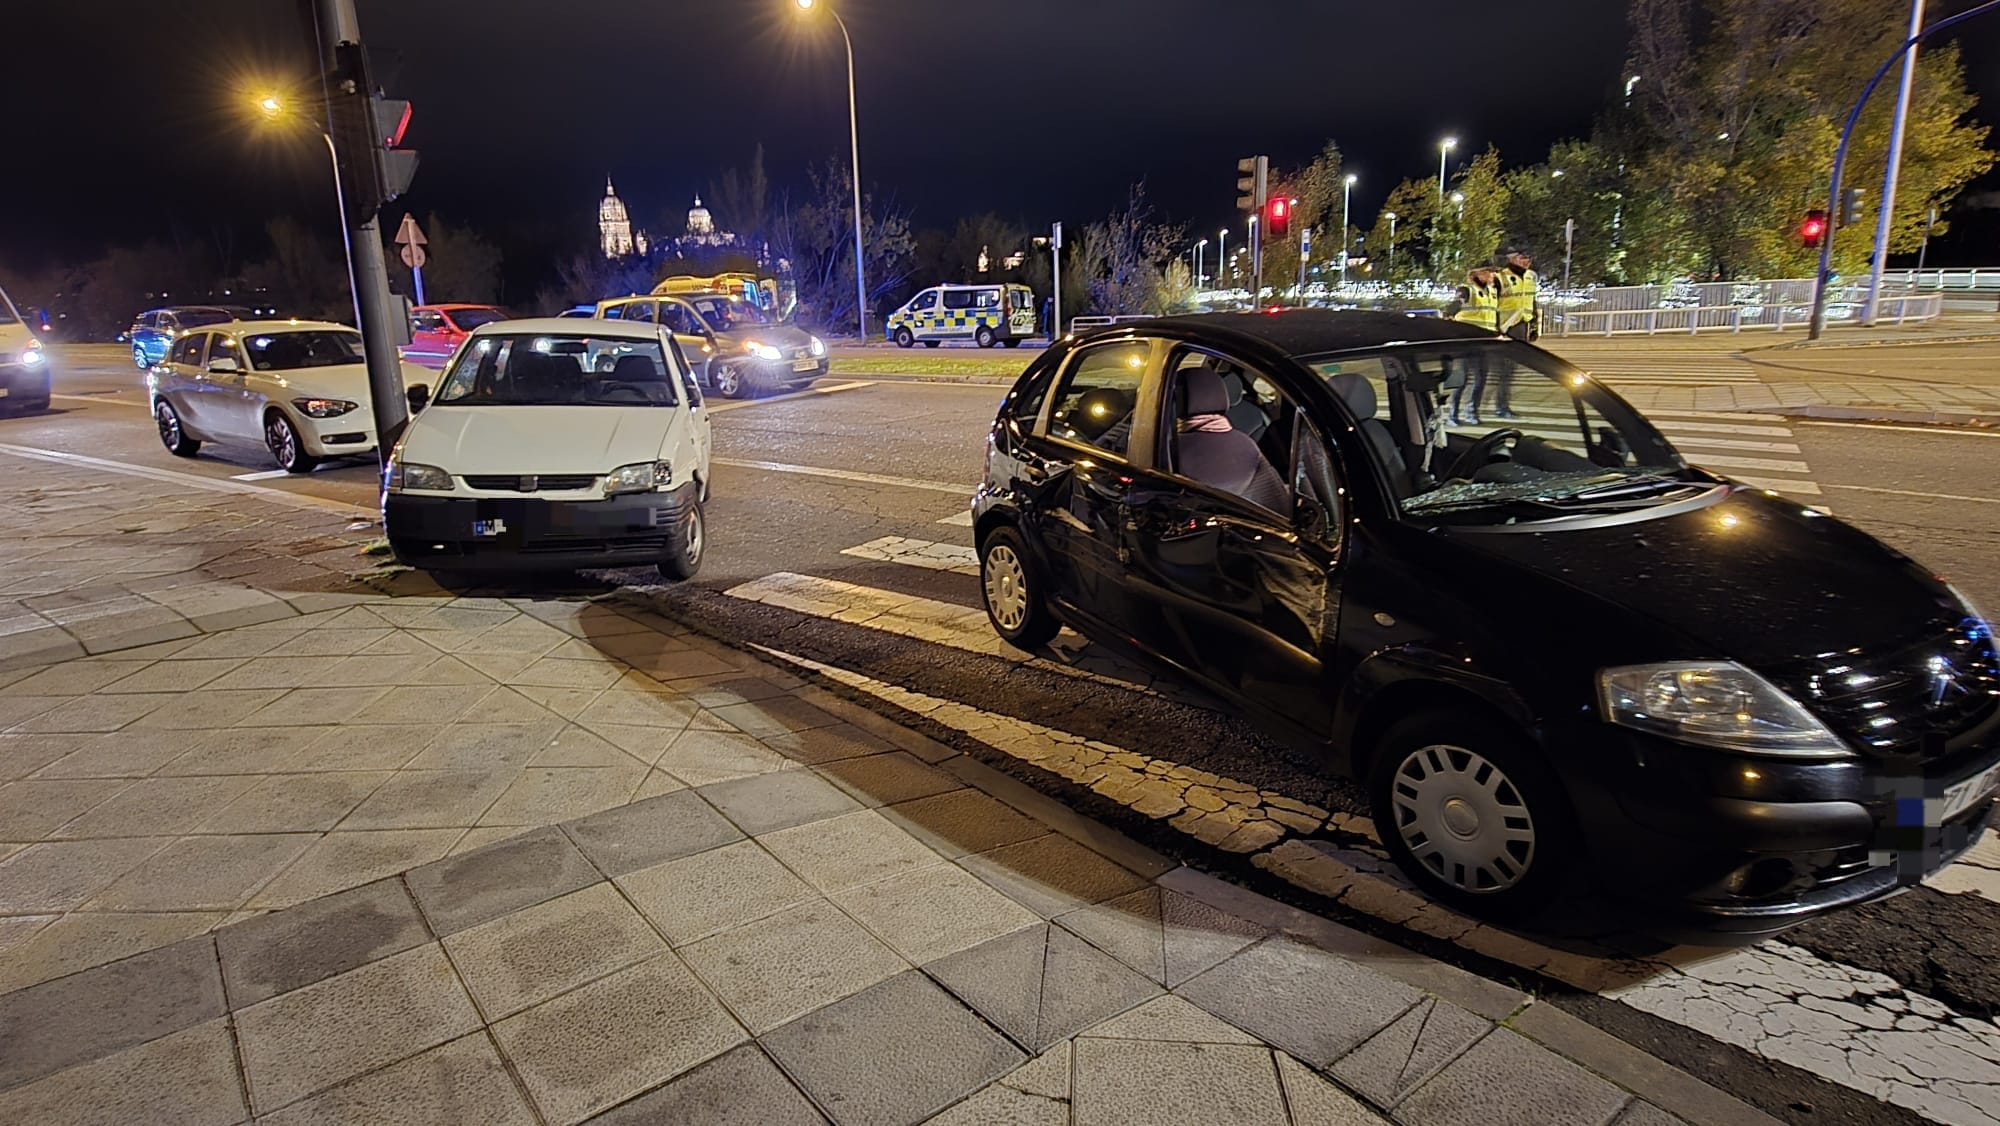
[1012,587]
[683,556]
[1471,813]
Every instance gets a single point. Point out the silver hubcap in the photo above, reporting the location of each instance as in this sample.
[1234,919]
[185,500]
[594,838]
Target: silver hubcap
[170,425]
[1463,818]
[284,445]
[1006,587]
[725,380]
[694,537]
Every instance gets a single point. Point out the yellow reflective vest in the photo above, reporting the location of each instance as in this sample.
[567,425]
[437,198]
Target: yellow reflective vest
[1482,309]
[1517,298]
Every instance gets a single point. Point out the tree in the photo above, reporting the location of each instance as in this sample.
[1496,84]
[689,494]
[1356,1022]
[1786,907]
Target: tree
[817,239]
[744,198]
[1578,183]
[1414,204]
[1473,222]
[462,265]
[305,274]
[1123,255]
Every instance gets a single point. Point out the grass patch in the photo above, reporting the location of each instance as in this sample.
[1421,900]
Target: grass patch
[931,365]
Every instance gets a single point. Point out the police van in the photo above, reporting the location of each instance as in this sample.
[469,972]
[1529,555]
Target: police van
[984,314]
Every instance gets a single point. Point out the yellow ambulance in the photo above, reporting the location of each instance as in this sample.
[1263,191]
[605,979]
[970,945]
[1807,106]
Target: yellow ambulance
[984,314]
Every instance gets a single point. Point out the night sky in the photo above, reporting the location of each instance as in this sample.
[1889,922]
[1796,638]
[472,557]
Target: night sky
[128,111]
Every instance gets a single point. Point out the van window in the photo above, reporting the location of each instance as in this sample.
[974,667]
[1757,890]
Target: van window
[987,298]
[959,298]
[925,300]
[1095,402]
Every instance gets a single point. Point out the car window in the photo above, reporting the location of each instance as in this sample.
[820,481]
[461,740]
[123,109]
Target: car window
[1315,479]
[560,369]
[611,312]
[639,311]
[168,322]
[193,318]
[959,298]
[690,386]
[188,350]
[469,319]
[427,321]
[1231,428]
[679,318]
[1098,394]
[306,348]
[726,313]
[924,301]
[987,298]
[224,348]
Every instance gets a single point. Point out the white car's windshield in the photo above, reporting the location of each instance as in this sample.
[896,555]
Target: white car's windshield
[312,348]
[559,370]
[1489,431]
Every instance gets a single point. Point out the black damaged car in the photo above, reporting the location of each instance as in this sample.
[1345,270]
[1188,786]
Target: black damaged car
[1551,650]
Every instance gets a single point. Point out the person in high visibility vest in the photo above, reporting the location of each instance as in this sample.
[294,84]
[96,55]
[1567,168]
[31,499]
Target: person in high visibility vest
[1519,288]
[1478,305]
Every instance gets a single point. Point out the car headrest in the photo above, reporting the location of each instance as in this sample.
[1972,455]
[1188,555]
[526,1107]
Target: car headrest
[1202,392]
[1355,393]
[1099,410]
[636,369]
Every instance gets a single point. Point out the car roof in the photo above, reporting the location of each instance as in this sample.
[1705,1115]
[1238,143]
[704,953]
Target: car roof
[286,325]
[448,306]
[189,309]
[568,326]
[1307,332]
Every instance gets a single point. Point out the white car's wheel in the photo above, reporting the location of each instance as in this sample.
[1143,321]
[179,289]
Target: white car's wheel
[287,448]
[172,434]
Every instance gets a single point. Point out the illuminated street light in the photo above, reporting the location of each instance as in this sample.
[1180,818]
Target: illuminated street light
[273,108]
[1346,198]
[1444,148]
[1390,269]
[1556,175]
[1221,253]
[1200,249]
[854,152]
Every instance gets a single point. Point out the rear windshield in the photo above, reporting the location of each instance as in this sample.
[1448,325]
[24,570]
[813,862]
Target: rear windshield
[312,348]
[530,370]
[469,319]
[195,318]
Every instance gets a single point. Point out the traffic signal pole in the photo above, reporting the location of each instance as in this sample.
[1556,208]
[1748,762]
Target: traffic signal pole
[1885,213]
[375,309]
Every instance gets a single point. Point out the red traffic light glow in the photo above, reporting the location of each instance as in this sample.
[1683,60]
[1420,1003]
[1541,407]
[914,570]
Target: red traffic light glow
[1277,217]
[1814,228]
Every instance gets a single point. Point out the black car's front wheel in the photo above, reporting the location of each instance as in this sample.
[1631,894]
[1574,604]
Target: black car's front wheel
[1015,603]
[1472,814]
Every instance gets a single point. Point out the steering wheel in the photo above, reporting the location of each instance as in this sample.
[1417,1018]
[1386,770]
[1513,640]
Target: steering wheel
[1482,451]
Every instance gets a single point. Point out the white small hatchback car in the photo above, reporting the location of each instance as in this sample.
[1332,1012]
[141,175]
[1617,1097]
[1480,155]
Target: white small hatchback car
[300,388]
[555,444]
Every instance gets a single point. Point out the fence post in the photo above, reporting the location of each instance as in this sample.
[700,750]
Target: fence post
[1781,316]
[1736,318]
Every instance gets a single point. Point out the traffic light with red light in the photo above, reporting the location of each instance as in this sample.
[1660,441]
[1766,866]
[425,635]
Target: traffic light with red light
[1813,229]
[1277,217]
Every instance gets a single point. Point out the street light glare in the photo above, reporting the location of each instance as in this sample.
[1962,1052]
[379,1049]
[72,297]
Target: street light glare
[1351,178]
[270,105]
[805,5]
[1448,143]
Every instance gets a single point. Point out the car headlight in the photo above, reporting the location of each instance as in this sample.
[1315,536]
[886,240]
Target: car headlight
[323,408]
[32,354]
[818,346]
[645,477]
[762,351]
[428,478]
[1715,704]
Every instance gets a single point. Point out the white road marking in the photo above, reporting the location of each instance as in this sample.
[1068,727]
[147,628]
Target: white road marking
[213,484]
[910,615]
[739,404]
[1952,431]
[847,475]
[959,519]
[263,475]
[928,554]
[102,399]
[1913,493]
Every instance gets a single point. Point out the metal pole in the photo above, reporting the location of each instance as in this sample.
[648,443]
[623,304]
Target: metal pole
[1222,258]
[1391,279]
[1569,249]
[1923,249]
[1055,274]
[1889,174]
[346,244]
[1442,151]
[1200,259]
[1256,263]
[854,153]
[337,23]
[1346,198]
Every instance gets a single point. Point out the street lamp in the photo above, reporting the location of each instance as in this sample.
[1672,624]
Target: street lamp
[1390,269]
[1556,175]
[273,109]
[854,152]
[1444,147]
[1200,249]
[1221,250]
[1346,198]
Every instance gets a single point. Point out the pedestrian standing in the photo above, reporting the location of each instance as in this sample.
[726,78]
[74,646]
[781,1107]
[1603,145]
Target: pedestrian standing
[1520,293]
[1478,305]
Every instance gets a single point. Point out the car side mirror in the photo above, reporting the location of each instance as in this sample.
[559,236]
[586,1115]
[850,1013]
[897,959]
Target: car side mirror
[223,364]
[419,397]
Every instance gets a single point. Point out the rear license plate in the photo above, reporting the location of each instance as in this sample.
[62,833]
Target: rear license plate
[804,365]
[5,391]
[484,528]
[1963,796]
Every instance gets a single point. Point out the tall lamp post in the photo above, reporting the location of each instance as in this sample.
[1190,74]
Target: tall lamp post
[1886,212]
[854,153]
[1221,257]
[274,110]
[1200,251]
[1444,149]
[1390,270]
[1346,198]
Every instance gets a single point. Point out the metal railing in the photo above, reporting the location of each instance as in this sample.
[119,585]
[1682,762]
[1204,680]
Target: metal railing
[1966,278]
[1085,324]
[1777,316]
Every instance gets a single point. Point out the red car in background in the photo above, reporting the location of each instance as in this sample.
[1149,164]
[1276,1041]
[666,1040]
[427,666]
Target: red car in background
[436,330]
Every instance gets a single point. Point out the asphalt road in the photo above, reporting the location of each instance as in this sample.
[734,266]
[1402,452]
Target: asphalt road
[811,487]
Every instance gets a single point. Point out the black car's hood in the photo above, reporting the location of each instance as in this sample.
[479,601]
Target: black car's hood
[1750,578]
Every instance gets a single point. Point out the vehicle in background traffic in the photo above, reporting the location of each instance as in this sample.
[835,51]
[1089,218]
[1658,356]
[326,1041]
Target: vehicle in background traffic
[298,388]
[579,311]
[555,444]
[154,330]
[764,292]
[984,314]
[1550,650]
[736,347]
[24,363]
[437,330]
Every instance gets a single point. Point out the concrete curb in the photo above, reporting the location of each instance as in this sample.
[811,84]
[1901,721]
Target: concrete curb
[1831,411]
[1834,342]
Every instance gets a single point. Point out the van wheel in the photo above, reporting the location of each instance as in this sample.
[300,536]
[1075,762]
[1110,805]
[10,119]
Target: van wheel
[984,337]
[903,338]
[172,434]
[729,381]
[287,448]
[1013,594]
[683,556]
[1472,814]
[932,343]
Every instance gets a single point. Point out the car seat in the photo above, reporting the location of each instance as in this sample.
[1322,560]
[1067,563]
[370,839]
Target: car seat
[1229,460]
[1358,396]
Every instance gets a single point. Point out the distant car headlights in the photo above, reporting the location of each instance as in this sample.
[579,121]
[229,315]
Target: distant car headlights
[1715,704]
[323,408]
[762,351]
[818,346]
[426,478]
[645,477]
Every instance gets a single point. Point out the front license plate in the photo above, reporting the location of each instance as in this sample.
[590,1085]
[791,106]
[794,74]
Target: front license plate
[804,365]
[5,391]
[1963,796]
[488,527]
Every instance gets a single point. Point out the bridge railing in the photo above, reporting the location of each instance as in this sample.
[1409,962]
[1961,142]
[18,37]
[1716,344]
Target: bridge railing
[1844,305]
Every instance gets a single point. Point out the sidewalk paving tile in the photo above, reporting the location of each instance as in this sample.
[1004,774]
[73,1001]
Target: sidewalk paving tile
[464,891]
[462,1081]
[280,672]
[1135,1082]
[208,707]
[342,860]
[778,715]
[157,806]
[895,1053]
[120,754]
[32,808]
[781,799]
[1313,1004]
[84,714]
[696,896]
[848,851]
[1001,1105]
[233,750]
[960,822]
[1316,1102]
[173,675]
[486,746]
[818,746]
[1646,1114]
[701,758]
[930,912]
[1508,1079]
[886,779]
[577,746]
[297,946]
[1168,1017]
[529,956]
[541,795]
[302,1042]
[74,678]
[430,799]
[293,803]
[186,1078]
[84,1016]
[1052,874]
[595,1047]
[22,755]
[80,940]
[59,875]
[778,968]
[311,707]
[1163,934]
[1398,1059]
[741,1087]
[650,832]
[420,704]
[203,873]
[345,748]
